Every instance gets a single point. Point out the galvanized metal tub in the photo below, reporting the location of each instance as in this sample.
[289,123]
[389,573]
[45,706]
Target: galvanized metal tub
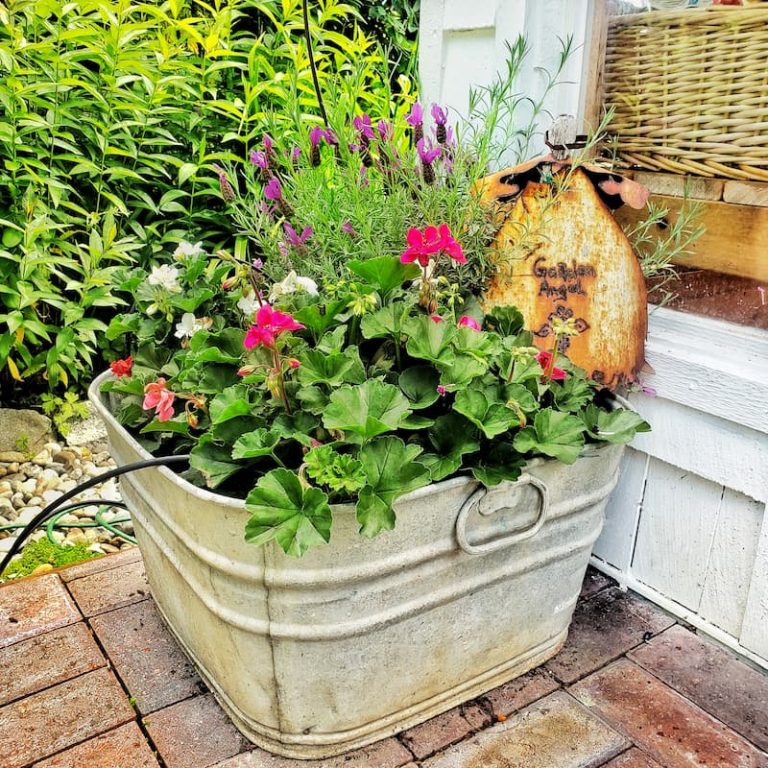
[361,639]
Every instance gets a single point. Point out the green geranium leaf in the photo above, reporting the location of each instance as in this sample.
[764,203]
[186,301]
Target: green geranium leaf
[486,411]
[299,426]
[441,467]
[419,383]
[367,409]
[386,322]
[452,437]
[573,394]
[213,461]
[506,321]
[384,273]
[122,325]
[230,404]
[312,399]
[520,397]
[333,341]
[191,301]
[320,317]
[618,426]
[452,433]
[416,421]
[321,368]
[229,342]
[461,370]
[339,471]
[428,340]
[260,442]
[178,425]
[390,472]
[500,462]
[282,509]
[477,344]
[229,431]
[553,433]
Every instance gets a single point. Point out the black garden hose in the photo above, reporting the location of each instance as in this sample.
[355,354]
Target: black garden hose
[51,510]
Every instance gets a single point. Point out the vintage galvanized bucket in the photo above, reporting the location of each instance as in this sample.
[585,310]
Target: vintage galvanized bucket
[361,639]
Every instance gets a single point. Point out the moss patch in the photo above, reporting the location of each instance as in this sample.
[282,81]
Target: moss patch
[40,552]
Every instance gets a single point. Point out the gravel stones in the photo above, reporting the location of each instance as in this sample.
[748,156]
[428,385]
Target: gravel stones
[29,485]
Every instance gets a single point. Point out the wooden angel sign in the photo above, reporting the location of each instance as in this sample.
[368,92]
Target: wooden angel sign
[565,263]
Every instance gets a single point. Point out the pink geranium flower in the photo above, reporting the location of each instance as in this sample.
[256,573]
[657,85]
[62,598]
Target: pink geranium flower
[159,397]
[423,244]
[268,325]
[544,359]
[466,321]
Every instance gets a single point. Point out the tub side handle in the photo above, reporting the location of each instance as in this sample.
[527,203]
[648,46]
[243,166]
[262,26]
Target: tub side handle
[504,541]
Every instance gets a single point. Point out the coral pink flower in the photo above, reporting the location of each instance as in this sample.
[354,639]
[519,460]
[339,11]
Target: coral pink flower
[436,318]
[269,324]
[465,321]
[122,367]
[159,397]
[544,359]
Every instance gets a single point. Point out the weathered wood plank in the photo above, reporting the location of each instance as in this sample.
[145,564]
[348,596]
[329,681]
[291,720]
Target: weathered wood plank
[746,193]
[594,67]
[754,633]
[731,562]
[723,452]
[677,185]
[709,365]
[618,536]
[735,240]
[674,538]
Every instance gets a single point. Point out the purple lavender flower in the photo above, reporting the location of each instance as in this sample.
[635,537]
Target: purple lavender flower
[260,159]
[316,135]
[427,153]
[385,129]
[294,239]
[440,116]
[268,143]
[348,229]
[226,189]
[273,190]
[362,124]
[415,117]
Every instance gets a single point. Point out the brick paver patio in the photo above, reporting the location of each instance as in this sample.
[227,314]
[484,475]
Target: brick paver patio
[90,678]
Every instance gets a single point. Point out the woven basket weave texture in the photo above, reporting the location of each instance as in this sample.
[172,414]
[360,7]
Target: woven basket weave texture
[690,91]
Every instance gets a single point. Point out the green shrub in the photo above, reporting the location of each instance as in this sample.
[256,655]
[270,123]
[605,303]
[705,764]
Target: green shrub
[114,115]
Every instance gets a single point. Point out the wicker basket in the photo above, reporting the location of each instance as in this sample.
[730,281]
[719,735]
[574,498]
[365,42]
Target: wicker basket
[690,91]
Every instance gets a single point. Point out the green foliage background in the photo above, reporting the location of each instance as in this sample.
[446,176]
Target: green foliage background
[114,114]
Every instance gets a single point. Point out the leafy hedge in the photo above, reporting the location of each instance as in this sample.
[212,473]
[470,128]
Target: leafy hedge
[114,116]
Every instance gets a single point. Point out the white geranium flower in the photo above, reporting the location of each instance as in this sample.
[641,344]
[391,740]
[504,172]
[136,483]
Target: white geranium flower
[248,304]
[190,325]
[166,277]
[292,283]
[188,250]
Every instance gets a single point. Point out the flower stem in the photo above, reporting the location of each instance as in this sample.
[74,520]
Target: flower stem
[281,381]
